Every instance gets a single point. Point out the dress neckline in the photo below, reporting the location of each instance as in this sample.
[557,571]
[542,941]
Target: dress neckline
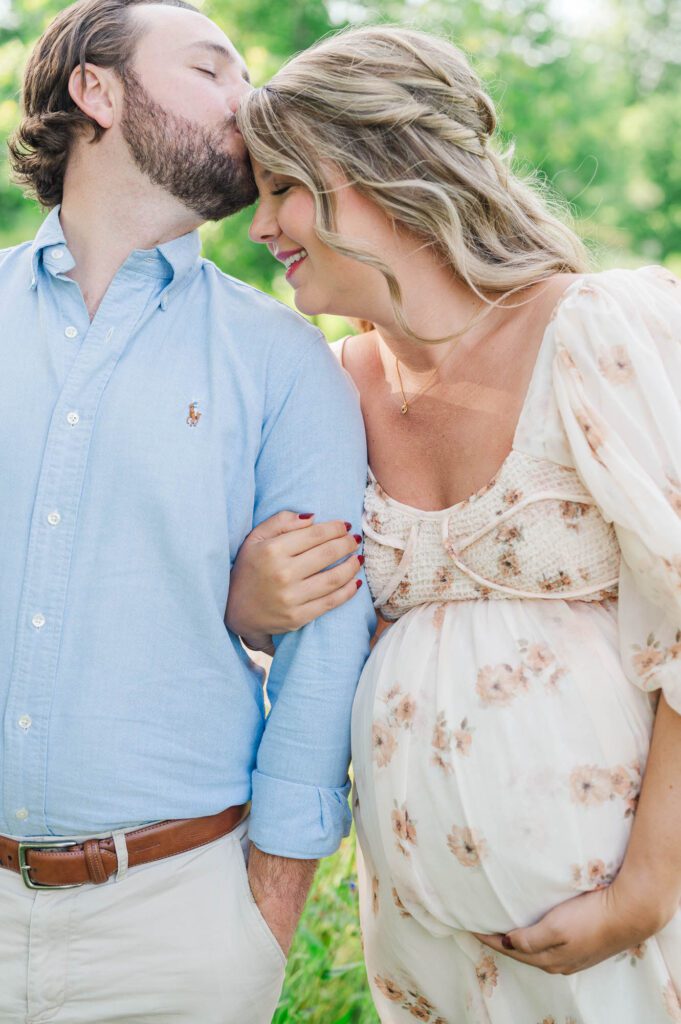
[435,513]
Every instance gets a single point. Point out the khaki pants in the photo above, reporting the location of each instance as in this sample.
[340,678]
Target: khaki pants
[180,941]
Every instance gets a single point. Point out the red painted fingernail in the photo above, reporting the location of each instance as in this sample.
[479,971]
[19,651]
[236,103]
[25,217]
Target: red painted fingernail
[348,526]
[305,515]
[360,559]
[357,538]
[506,942]
[359,583]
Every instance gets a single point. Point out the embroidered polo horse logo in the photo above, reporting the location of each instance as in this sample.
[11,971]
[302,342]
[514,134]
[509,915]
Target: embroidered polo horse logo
[194,415]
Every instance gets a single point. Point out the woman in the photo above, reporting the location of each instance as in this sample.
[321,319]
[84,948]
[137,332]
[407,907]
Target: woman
[523,421]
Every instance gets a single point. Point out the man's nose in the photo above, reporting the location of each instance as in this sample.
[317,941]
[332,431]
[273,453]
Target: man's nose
[237,93]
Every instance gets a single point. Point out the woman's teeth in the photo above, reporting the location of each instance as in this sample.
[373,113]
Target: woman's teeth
[296,258]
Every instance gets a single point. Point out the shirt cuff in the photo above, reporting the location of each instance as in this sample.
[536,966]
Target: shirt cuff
[291,819]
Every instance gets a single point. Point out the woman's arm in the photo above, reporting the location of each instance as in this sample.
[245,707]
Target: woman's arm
[280,580]
[645,895]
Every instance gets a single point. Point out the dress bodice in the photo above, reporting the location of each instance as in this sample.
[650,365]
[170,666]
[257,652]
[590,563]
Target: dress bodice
[532,532]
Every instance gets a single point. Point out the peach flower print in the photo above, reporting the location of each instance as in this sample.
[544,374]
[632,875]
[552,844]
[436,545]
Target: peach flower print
[572,512]
[467,845]
[594,436]
[674,567]
[384,744]
[508,534]
[671,1001]
[674,651]
[399,904]
[375,522]
[405,710]
[509,564]
[439,617]
[538,657]
[512,496]
[421,1009]
[566,358]
[615,365]
[463,738]
[404,828]
[673,495]
[634,954]
[560,581]
[594,875]
[647,657]
[497,685]
[487,974]
[590,785]
[389,989]
[443,579]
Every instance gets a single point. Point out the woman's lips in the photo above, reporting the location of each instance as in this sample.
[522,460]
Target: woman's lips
[294,266]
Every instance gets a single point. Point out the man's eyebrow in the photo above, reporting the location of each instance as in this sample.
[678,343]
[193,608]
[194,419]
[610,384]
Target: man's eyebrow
[222,51]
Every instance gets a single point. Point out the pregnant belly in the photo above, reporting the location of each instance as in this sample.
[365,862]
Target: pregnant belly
[498,751]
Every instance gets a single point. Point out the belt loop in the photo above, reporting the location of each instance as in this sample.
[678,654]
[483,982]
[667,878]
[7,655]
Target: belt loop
[121,847]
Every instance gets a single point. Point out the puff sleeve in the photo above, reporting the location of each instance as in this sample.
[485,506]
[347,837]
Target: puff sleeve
[617,381]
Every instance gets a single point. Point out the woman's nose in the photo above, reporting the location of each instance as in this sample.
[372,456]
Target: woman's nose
[264,227]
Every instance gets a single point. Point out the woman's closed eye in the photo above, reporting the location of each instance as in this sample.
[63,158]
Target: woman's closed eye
[207,71]
[281,190]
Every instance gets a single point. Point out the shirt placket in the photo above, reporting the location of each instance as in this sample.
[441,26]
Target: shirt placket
[52,536]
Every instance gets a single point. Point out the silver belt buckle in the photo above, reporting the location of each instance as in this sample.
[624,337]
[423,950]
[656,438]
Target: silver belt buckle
[25,867]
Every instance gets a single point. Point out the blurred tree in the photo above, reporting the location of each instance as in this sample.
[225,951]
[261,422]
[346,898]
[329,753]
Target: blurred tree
[590,106]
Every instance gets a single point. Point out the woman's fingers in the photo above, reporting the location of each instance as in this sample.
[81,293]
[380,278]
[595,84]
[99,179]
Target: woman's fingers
[542,959]
[313,609]
[299,542]
[311,563]
[321,584]
[281,523]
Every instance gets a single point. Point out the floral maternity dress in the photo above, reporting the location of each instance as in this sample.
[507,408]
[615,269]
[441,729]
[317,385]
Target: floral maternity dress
[502,724]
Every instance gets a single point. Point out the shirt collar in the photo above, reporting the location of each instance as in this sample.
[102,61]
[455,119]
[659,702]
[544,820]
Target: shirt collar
[175,260]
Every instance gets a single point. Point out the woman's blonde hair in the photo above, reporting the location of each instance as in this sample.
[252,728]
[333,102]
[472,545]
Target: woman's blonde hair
[404,118]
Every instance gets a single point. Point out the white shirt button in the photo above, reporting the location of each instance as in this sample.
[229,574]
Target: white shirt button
[38,620]
[58,254]
[54,519]
[72,418]
[71,331]
[25,722]
[21,814]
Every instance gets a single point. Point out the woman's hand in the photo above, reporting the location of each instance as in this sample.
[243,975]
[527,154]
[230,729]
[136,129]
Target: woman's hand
[585,930]
[278,582]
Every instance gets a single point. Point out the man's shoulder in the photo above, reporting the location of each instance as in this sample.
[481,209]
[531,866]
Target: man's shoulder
[15,254]
[260,310]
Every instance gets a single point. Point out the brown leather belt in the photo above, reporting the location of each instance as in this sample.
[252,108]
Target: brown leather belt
[62,864]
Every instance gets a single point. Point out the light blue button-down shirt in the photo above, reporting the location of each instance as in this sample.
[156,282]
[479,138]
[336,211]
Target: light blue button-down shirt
[136,453]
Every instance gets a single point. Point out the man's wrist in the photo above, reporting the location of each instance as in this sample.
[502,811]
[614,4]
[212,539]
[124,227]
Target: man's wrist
[280,886]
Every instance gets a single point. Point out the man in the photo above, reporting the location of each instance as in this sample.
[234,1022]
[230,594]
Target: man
[153,410]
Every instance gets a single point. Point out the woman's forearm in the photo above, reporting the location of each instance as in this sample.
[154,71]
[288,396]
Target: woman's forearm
[652,864]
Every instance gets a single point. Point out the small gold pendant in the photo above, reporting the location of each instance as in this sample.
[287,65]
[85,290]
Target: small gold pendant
[405,409]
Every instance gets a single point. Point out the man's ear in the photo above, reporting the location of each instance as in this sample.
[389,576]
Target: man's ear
[94,93]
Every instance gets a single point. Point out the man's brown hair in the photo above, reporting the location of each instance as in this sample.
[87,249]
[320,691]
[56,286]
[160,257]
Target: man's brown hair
[97,32]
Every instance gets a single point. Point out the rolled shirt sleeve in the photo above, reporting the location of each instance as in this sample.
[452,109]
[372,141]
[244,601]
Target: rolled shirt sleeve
[312,459]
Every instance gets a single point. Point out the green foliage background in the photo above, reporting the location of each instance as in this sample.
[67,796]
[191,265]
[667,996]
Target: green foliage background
[591,102]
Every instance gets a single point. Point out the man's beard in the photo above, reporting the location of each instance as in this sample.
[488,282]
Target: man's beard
[188,160]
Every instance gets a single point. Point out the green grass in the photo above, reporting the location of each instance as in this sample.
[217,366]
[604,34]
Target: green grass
[325,979]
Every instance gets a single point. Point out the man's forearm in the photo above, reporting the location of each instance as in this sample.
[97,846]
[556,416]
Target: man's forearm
[280,886]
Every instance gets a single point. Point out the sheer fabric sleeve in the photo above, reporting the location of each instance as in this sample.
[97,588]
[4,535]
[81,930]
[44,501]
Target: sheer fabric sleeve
[617,380]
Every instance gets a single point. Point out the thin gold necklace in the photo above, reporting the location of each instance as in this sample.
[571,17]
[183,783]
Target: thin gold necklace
[404,408]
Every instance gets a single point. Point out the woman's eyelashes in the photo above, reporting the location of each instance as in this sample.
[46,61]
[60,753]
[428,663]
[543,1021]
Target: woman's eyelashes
[281,190]
[207,71]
